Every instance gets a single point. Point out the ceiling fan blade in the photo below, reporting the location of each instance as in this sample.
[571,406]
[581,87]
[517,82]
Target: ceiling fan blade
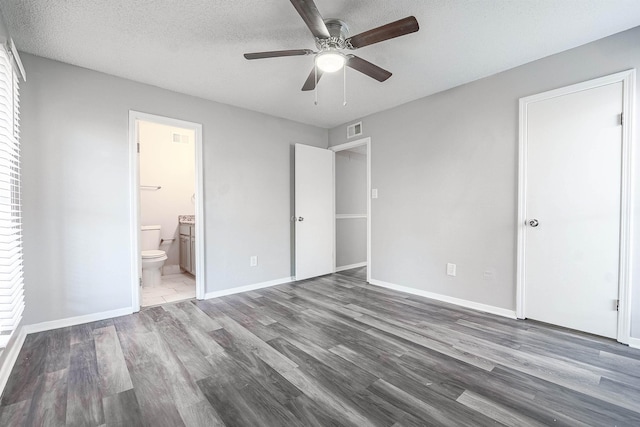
[312,80]
[366,67]
[394,29]
[278,53]
[309,13]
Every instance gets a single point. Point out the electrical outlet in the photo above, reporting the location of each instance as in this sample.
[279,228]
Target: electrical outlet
[451,269]
[374,193]
[488,275]
[253,261]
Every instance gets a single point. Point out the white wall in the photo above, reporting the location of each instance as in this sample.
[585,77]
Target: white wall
[351,198]
[170,166]
[76,188]
[446,169]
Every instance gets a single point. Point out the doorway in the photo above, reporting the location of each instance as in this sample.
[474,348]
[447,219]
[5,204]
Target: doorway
[574,207]
[352,177]
[316,216]
[166,202]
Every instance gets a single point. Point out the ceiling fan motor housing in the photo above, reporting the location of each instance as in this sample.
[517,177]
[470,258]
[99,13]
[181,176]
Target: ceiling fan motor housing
[339,32]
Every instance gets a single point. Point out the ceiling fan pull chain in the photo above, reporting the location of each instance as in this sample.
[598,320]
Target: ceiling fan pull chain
[315,78]
[344,86]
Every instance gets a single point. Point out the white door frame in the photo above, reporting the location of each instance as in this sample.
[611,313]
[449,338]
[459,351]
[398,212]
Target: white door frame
[624,287]
[134,218]
[347,146]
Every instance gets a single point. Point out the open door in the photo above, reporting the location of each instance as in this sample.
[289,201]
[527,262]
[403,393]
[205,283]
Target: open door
[314,211]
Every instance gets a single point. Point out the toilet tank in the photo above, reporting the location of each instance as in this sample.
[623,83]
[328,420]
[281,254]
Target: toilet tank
[150,237]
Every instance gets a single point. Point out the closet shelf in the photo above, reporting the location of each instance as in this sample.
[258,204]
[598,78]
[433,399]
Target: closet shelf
[350,216]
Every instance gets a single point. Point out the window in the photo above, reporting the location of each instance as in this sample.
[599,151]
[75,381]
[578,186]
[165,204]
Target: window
[11,282]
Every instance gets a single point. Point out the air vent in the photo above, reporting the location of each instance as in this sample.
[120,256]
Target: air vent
[179,138]
[354,130]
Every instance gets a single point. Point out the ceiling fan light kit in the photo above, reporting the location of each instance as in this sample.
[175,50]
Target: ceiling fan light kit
[330,61]
[332,38]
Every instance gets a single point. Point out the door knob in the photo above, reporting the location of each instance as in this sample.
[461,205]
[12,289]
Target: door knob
[300,219]
[534,223]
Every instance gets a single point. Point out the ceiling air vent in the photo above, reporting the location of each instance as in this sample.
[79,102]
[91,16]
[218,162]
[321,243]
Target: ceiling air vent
[354,130]
[179,138]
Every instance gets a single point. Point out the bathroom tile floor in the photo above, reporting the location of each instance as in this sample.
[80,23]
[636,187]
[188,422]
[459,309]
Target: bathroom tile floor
[174,287]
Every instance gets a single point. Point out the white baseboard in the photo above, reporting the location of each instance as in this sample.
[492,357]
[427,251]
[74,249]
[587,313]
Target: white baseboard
[248,288]
[511,314]
[350,266]
[71,321]
[10,355]
[634,342]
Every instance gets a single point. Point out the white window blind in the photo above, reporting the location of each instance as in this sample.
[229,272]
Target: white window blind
[11,283]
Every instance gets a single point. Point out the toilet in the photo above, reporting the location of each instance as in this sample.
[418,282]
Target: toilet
[152,258]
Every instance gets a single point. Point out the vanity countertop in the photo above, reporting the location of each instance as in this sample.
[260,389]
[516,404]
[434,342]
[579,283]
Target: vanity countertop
[187,219]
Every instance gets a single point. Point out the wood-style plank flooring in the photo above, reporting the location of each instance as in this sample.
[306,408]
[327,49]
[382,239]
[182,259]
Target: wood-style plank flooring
[331,351]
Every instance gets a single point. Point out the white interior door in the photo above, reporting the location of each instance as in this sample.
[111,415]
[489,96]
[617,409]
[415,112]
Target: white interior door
[572,233]
[314,208]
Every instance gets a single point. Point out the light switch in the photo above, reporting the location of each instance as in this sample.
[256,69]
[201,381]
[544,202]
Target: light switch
[451,269]
[374,193]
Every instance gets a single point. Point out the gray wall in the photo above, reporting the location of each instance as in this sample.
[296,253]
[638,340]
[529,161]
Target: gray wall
[351,241]
[351,182]
[446,169]
[76,188]
[4,33]
[351,198]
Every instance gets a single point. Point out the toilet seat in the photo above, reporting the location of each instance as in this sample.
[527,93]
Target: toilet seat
[151,254]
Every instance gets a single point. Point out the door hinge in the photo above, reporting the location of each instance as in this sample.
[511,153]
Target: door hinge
[621,119]
[138,147]
[140,281]
[617,305]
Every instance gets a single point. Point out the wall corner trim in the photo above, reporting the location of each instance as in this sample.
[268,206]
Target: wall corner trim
[511,314]
[78,320]
[12,352]
[248,288]
[634,343]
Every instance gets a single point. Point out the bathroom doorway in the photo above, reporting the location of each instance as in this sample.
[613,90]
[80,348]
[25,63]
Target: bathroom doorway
[167,244]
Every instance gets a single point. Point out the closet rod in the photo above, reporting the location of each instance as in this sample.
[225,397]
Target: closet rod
[150,187]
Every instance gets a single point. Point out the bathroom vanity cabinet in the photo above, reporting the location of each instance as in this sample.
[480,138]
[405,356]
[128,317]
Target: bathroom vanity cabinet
[188,248]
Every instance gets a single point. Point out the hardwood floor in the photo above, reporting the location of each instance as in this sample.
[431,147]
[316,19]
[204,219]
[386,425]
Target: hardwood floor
[330,351]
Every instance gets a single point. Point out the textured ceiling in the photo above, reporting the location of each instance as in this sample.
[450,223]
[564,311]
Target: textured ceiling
[196,46]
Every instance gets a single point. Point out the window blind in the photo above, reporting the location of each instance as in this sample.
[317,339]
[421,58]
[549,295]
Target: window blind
[11,281]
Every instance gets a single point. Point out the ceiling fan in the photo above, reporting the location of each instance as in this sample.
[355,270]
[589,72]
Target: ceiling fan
[332,38]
